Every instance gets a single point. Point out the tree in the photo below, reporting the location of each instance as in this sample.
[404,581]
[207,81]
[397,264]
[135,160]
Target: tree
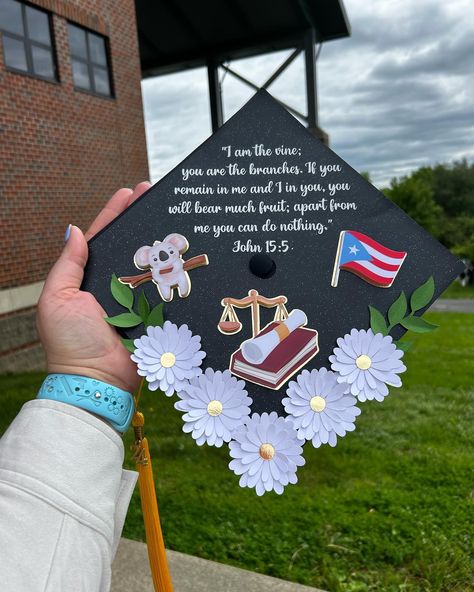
[453,187]
[457,231]
[415,195]
[465,250]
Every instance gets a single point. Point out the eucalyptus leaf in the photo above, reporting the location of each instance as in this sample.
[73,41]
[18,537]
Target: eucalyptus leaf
[422,295]
[418,325]
[128,344]
[377,321]
[126,319]
[143,306]
[397,310]
[123,294]
[155,318]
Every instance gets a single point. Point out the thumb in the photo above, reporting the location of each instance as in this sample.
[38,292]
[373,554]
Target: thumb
[68,271]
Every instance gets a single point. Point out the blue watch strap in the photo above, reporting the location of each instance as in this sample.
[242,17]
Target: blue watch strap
[107,401]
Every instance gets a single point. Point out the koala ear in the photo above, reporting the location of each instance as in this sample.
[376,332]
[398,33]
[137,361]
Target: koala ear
[142,257]
[179,241]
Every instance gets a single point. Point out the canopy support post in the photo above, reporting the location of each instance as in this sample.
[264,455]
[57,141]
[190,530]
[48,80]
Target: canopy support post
[215,95]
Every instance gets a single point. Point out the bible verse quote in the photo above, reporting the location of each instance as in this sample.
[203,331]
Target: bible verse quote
[257,199]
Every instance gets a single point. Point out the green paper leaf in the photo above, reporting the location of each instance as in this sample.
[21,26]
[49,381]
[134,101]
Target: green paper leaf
[155,318]
[377,321]
[143,306]
[418,325]
[397,310]
[404,345]
[126,319]
[123,294]
[128,344]
[422,295]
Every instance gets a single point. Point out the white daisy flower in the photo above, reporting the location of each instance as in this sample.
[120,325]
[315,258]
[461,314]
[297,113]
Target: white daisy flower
[318,407]
[266,453]
[367,363]
[215,404]
[168,357]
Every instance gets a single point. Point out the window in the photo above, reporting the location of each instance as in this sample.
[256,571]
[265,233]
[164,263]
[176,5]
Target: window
[90,64]
[27,39]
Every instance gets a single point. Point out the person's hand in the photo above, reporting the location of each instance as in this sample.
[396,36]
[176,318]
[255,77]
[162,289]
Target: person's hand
[71,323]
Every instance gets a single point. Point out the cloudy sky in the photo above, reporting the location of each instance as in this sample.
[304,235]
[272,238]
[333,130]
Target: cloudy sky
[395,95]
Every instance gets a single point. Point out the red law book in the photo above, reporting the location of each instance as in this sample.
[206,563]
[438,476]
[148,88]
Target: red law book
[286,359]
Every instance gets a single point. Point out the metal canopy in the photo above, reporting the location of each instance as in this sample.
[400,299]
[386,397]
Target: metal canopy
[178,34]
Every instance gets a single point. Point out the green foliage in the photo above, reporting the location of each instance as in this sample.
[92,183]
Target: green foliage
[420,298]
[125,297]
[441,199]
[123,294]
[128,343]
[423,295]
[453,187]
[377,321]
[465,250]
[155,318]
[415,196]
[457,230]
[389,509]
[418,325]
[397,310]
[143,306]
[124,320]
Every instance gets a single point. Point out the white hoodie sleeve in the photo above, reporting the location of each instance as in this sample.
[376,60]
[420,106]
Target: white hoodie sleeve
[63,500]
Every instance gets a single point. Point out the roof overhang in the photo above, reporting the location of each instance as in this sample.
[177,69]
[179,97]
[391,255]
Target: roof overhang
[175,35]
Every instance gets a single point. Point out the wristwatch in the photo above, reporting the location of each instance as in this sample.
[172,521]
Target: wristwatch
[107,401]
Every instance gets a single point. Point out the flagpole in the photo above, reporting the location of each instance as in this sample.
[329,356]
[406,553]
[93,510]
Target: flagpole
[335,273]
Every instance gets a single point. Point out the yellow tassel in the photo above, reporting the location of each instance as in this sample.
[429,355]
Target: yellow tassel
[154,536]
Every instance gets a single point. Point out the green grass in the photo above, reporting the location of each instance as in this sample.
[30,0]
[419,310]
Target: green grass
[456,291]
[390,509]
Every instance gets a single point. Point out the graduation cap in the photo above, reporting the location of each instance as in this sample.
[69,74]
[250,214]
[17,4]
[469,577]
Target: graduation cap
[271,248]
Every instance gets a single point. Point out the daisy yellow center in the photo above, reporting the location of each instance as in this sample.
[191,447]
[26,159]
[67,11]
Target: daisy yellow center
[363,362]
[214,408]
[267,452]
[317,404]
[168,359]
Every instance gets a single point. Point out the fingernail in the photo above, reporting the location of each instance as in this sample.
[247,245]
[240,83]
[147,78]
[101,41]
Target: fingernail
[67,233]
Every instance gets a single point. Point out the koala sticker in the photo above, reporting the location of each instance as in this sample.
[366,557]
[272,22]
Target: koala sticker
[164,259]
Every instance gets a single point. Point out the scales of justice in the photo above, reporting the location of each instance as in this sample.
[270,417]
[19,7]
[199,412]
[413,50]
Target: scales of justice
[274,353]
[230,324]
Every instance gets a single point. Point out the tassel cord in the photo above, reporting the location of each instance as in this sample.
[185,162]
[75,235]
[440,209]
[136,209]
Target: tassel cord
[154,536]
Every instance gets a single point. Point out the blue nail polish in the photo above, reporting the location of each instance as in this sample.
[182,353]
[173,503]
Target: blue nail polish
[67,233]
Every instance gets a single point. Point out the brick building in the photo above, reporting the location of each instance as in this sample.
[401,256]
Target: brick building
[71,132]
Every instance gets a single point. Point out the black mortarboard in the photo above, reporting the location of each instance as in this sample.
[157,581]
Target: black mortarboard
[284,224]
